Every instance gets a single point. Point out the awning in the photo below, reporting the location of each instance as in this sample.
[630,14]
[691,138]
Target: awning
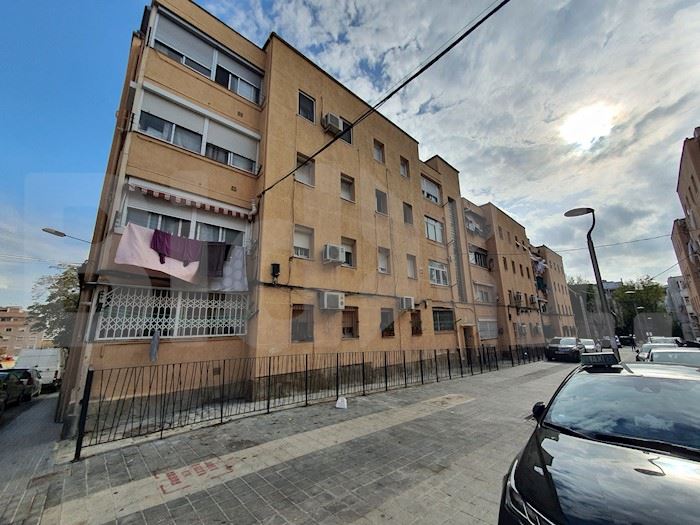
[183,198]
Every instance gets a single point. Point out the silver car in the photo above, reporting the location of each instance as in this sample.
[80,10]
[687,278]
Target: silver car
[643,353]
[588,345]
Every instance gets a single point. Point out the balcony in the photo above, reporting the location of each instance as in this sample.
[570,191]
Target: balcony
[131,312]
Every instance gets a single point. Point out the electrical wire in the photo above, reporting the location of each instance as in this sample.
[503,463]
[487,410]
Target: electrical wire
[394,91]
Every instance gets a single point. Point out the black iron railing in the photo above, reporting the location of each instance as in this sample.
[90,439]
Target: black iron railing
[121,403]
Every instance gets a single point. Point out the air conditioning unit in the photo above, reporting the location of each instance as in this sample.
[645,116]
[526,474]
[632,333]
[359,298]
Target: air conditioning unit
[518,298]
[331,300]
[406,303]
[332,123]
[333,253]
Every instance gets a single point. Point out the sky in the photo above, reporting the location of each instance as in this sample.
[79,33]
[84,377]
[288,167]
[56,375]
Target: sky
[548,106]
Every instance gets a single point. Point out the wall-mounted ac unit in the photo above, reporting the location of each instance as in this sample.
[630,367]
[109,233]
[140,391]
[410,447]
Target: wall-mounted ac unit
[333,253]
[332,123]
[331,300]
[406,303]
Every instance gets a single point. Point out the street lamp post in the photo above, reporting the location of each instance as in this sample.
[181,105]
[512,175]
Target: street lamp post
[576,212]
[59,233]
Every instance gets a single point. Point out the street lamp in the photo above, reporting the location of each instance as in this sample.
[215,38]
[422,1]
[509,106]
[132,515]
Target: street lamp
[577,212]
[58,233]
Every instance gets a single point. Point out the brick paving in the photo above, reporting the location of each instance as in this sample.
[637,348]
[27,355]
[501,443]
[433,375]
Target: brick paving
[432,454]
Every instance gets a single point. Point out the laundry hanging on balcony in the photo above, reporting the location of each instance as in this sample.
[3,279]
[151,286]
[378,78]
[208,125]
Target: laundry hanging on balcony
[180,248]
[233,277]
[135,250]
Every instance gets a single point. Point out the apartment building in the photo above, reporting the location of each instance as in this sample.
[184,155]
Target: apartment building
[16,332]
[519,317]
[553,293]
[686,231]
[356,249]
[481,273]
[679,306]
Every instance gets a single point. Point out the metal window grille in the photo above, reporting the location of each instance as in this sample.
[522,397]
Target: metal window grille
[132,313]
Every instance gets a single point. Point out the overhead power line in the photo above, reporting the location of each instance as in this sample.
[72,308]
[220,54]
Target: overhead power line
[388,96]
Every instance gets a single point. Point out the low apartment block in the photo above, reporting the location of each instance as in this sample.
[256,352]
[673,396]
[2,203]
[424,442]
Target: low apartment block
[221,235]
[16,332]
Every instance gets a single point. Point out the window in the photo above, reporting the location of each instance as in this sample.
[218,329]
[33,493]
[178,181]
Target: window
[500,233]
[237,77]
[210,232]
[478,256]
[527,269]
[512,262]
[349,245]
[521,271]
[404,168]
[443,320]
[483,293]
[407,213]
[183,46]
[433,229]
[505,264]
[307,107]
[431,190]
[416,323]
[378,151]
[347,188]
[302,322]
[438,273]
[347,131]
[157,221]
[305,170]
[303,242]
[384,260]
[508,234]
[350,323]
[411,265]
[382,204]
[165,120]
[488,329]
[386,324]
[230,147]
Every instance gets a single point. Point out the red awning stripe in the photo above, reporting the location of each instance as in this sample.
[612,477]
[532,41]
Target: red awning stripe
[188,202]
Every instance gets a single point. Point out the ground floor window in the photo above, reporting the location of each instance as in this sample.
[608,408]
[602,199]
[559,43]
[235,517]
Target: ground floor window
[350,323]
[488,329]
[387,322]
[302,322]
[443,320]
[416,323]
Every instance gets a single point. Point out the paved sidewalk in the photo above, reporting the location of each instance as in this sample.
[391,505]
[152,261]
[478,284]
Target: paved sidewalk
[26,446]
[434,454]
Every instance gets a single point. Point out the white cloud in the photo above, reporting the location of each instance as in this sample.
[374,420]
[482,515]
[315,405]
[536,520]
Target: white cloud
[494,106]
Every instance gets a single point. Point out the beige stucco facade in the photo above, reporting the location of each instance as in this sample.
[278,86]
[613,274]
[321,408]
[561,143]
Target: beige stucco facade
[686,231]
[16,332]
[557,313]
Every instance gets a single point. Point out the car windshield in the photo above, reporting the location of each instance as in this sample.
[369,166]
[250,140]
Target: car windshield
[555,341]
[670,340]
[4,376]
[676,357]
[568,341]
[647,408]
[588,342]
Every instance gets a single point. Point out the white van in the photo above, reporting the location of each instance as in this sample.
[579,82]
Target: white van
[47,361]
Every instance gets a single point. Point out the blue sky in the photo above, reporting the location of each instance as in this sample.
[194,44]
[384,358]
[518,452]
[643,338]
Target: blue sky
[63,66]
[550,105]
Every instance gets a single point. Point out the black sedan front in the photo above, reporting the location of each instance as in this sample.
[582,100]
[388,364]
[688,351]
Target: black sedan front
[615,445]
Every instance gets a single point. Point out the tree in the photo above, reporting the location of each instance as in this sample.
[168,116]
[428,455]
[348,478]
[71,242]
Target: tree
[648,297]
[55,304]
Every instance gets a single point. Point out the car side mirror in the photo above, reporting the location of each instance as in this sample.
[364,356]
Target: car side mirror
[538,410]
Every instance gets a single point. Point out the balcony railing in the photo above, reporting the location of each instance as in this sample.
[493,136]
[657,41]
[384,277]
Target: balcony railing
[129,312]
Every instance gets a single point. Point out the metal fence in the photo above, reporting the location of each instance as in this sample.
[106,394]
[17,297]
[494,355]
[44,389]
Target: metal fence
[121,403]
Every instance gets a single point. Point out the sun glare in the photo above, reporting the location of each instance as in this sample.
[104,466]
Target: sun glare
[588,125]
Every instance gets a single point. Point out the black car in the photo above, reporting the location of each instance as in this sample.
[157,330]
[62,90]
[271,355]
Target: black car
[569,348]
[616,444]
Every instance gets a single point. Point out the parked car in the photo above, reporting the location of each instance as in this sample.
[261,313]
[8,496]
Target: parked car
[615,444]
[30,378]
[663,340]
[564,347]
[643,353]
[627,340]
[675,356]
[589,345]
[14,388]
[47,361]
